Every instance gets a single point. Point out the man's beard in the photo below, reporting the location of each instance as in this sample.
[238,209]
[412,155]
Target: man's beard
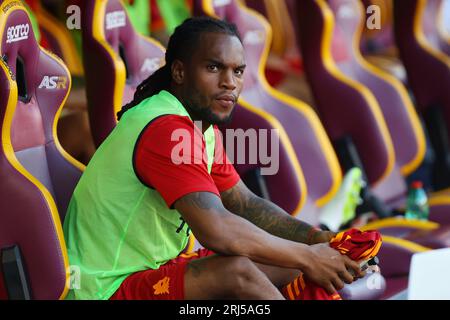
[206,114]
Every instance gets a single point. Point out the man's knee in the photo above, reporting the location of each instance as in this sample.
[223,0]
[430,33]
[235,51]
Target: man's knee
[242,272]
[226,277]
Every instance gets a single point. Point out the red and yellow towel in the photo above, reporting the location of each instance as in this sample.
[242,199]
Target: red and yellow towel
[358,245]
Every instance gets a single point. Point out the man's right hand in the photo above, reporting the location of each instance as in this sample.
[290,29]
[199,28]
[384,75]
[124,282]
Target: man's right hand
[330,269]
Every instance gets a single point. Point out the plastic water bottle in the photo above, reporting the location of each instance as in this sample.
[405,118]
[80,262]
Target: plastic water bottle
[417,202]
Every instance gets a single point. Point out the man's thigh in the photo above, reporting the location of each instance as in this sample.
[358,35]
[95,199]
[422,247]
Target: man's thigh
[165,283]
[214,277]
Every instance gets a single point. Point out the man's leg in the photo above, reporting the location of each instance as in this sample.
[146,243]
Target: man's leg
[218,277]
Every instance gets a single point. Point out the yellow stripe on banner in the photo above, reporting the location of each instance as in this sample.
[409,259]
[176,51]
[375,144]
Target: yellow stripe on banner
[297,291]
[302,282]
[370,253]
[289,290]
[377,247]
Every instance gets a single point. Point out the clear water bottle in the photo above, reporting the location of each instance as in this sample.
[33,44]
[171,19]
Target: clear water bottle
[417,202]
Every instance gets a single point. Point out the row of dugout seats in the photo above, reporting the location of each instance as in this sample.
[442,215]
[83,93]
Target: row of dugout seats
[383,135]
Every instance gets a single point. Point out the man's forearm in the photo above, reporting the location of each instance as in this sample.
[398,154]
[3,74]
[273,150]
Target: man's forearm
[267,216]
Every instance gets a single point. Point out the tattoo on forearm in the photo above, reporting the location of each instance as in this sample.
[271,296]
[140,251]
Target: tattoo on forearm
[265,215]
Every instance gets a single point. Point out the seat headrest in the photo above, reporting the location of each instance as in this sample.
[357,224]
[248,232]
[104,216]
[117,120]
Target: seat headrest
[17,39]
[42,79]
[120,34]
[347,15]
[116,60]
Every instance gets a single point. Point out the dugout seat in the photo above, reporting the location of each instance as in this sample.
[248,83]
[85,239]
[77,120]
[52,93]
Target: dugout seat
[116,60]
[37,176]
[428,69]
[387,136]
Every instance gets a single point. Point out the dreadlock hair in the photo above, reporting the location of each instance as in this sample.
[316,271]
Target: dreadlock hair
[181,47]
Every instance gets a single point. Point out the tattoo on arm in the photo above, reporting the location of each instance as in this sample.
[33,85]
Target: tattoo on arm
[199,200]
[265,214]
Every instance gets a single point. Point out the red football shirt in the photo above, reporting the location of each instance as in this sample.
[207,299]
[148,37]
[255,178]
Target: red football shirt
[155,166]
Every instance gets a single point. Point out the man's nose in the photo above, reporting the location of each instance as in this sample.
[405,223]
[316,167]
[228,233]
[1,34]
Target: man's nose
[228,80]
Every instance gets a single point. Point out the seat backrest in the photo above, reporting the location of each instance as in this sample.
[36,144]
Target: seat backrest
[116,60]
[424,63]
[44,84]
[310,146]
[338,97]
[398,111]
[432,27]
[37,175]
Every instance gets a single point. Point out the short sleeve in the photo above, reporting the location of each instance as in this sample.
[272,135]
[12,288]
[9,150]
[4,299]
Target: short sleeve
[170,157]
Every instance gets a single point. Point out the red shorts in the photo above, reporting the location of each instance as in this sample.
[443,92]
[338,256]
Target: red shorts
[165,283]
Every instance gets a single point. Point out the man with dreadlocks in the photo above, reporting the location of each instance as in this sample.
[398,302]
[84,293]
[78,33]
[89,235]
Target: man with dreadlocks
[131,213]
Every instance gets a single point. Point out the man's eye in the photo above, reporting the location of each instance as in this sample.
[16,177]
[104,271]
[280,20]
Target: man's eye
[213,68]
[239,72]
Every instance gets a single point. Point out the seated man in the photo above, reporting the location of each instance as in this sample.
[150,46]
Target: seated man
[133,209]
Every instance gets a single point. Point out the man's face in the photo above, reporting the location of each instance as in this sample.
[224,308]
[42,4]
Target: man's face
[213,78]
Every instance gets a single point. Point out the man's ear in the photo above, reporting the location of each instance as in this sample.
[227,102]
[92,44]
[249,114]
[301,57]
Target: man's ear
[177,70]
